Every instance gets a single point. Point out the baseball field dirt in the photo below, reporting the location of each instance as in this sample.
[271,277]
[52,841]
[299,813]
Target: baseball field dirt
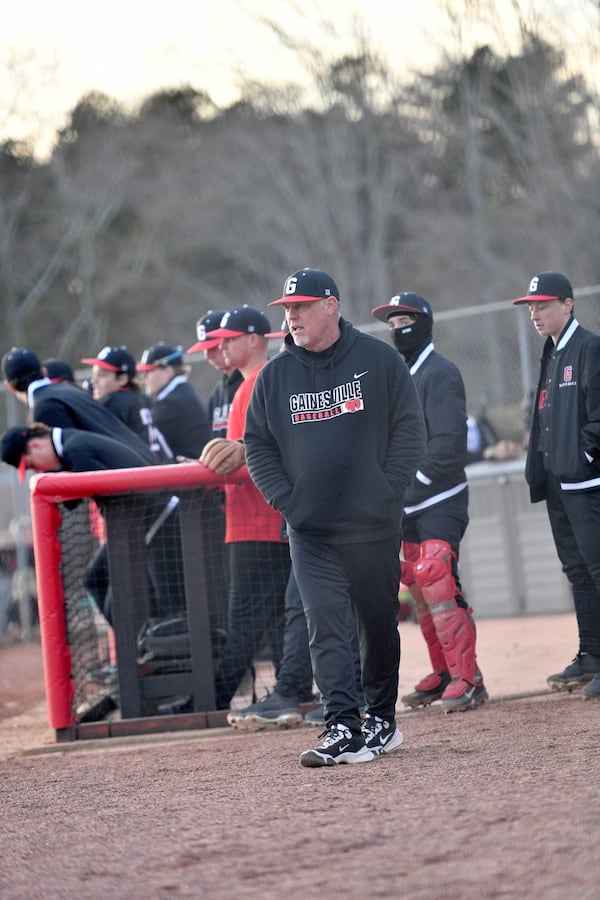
[499,802]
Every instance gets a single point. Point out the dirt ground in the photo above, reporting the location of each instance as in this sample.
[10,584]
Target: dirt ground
[500,802]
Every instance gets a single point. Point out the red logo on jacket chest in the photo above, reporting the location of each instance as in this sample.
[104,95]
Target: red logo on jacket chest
[353,405]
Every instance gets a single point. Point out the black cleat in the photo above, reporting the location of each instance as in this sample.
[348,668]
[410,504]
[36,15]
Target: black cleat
[428,690]
[580,671]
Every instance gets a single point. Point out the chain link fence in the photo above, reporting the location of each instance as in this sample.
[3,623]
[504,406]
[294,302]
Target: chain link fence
[497,350]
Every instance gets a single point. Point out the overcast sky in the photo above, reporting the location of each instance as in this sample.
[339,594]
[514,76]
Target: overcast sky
[129,48]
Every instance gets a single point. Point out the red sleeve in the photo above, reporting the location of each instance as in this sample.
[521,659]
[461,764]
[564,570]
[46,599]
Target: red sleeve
[239,407]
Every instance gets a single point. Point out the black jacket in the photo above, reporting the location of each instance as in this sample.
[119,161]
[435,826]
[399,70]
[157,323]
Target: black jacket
[83,451]
[127,405]
[181,416]
[219,403]
[333,439]
[133,408]
[570,372]
[63,405]
[441,472]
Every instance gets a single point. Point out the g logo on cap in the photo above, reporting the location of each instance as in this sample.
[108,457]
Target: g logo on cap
[291,285]
[533,284]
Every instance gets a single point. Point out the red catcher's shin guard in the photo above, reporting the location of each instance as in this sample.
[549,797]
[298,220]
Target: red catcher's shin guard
[412,553]
[453,624]
[457,636]
[428,630]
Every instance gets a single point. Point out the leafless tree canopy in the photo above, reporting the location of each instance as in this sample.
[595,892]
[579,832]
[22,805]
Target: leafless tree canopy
[459,184]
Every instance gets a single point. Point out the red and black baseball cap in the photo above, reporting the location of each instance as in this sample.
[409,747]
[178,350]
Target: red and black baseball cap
[204,328]
[547,286]
[307,285]
[113,359]
[407,302]
[245,320]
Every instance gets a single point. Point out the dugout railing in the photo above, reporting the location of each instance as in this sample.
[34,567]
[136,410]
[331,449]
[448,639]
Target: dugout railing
[157,553]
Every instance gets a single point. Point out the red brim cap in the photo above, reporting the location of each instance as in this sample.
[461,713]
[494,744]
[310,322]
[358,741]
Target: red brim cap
[222,333]
[535,298]
[294,299]
[208,344]
[22,469]
[145,367]
[102,364]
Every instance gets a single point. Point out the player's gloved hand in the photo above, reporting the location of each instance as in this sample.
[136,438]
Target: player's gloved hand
[223,456]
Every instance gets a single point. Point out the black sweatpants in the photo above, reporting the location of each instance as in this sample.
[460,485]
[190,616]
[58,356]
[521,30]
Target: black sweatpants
[258,579]
[295,677]
[332,580]
[575,522]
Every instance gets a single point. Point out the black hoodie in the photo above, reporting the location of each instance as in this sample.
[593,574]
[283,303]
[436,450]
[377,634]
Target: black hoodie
[334,438]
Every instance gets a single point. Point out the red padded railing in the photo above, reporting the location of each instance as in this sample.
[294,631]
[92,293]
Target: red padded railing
[47,491]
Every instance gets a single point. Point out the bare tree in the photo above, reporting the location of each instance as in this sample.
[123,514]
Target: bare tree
[451,183]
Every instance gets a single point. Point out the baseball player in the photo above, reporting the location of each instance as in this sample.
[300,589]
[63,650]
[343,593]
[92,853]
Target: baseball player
[114,385]
[219,402]
[61,404]
[436,513]
[563,461]
[255,533]
[178,411]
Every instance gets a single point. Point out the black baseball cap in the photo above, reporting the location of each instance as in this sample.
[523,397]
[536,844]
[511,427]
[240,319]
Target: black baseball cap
[159,356]
[307,285]
[114,359]
[19,362]
[407,302]
[58,370]
[547,286]
[245,320]
[14,447]
[204,326]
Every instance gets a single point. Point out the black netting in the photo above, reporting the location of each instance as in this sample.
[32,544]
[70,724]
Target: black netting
[153,596]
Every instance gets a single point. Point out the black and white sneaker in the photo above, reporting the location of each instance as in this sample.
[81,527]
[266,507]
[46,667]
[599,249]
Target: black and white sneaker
[339,745]
[381,735]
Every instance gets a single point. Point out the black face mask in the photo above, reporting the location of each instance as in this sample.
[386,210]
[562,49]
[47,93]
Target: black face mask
[411,339]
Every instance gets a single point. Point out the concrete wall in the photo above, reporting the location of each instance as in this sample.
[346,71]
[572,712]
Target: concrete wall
[508,562]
